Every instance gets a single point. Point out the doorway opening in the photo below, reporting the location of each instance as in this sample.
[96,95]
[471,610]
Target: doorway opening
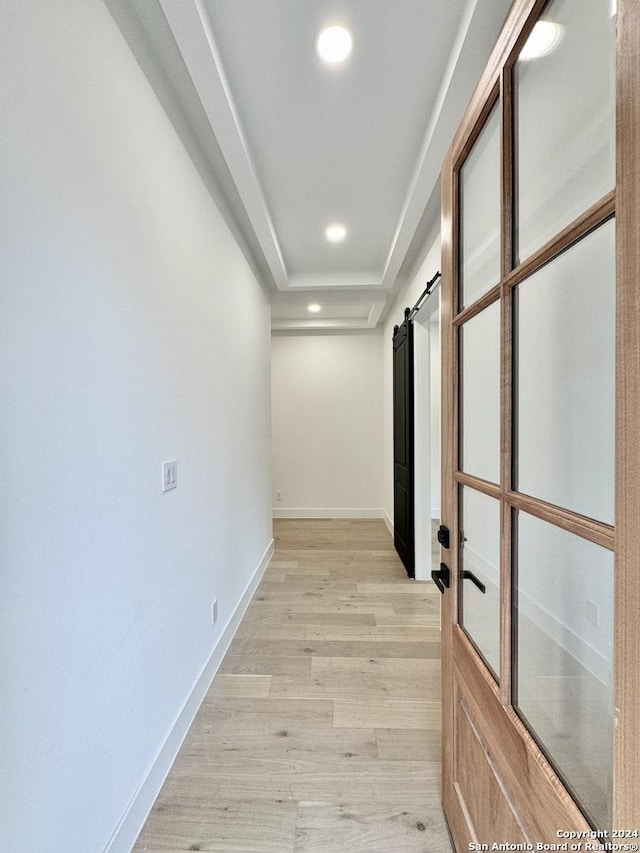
[426,323]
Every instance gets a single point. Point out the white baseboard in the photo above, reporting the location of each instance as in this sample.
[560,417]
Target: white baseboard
[133,820]
[435,513]
[324,512]
[388,521]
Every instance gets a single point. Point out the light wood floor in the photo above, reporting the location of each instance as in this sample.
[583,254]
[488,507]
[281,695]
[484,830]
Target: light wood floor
[321,731]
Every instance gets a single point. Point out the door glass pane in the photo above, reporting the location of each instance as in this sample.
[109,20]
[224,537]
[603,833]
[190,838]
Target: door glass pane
[565,320]
[564,623]
[480,567]
[480,394]
[565,118]
[480,214]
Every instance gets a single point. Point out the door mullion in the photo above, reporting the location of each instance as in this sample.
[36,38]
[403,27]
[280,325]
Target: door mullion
[506,382]
[506,443]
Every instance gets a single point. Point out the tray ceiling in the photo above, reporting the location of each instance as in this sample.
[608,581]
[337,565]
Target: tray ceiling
[295,145]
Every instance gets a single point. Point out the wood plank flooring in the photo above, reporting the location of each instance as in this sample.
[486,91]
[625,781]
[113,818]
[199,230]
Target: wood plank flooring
[321,731]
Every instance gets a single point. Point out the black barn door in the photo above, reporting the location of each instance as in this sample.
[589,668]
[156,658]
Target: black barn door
[403,524]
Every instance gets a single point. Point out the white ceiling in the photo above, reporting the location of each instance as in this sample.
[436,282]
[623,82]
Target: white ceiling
[291,145]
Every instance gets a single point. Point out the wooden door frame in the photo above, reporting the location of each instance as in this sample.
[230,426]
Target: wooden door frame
[496,82]
[626,779]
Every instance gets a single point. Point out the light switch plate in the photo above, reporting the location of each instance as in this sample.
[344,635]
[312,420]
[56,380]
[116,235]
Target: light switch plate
[169,475]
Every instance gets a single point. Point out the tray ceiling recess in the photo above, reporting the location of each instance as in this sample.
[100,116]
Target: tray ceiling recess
[324,125]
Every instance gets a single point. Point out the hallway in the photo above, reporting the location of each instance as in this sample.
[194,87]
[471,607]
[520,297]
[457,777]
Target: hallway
[216,217]
[321,731]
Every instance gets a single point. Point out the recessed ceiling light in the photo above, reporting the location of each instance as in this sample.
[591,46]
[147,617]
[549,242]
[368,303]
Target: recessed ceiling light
[314,308]
[334,43]
[335,233]
[544,38]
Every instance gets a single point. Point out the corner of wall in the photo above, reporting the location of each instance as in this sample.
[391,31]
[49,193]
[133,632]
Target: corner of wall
[388,521]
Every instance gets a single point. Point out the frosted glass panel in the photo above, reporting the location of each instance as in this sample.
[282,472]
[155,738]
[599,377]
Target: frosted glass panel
[565,121]
[566,378]
[564,619]
[480,565]
[480,214]
[480,395]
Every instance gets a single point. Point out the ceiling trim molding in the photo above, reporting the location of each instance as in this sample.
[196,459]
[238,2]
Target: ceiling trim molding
[295,333]
[337,297]
[290,325]
[375,314]
[193,34]
[335,280]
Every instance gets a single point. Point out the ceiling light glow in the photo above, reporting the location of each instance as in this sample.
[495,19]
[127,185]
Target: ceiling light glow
[314,308]
[544,38]
[334,43]
[336,233]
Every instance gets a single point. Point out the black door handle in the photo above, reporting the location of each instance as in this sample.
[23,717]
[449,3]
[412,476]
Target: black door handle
[467,575]
[440,577]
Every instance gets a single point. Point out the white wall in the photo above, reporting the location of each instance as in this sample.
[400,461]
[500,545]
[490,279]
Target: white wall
[133,332]
[435,367]
[327,424]
[408,297]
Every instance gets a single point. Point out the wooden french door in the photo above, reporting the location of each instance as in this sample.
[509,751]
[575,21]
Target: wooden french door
[540,425]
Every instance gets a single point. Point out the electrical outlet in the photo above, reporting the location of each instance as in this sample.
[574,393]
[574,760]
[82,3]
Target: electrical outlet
[169,475]
[593,613]
[278,495]
[214,611]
